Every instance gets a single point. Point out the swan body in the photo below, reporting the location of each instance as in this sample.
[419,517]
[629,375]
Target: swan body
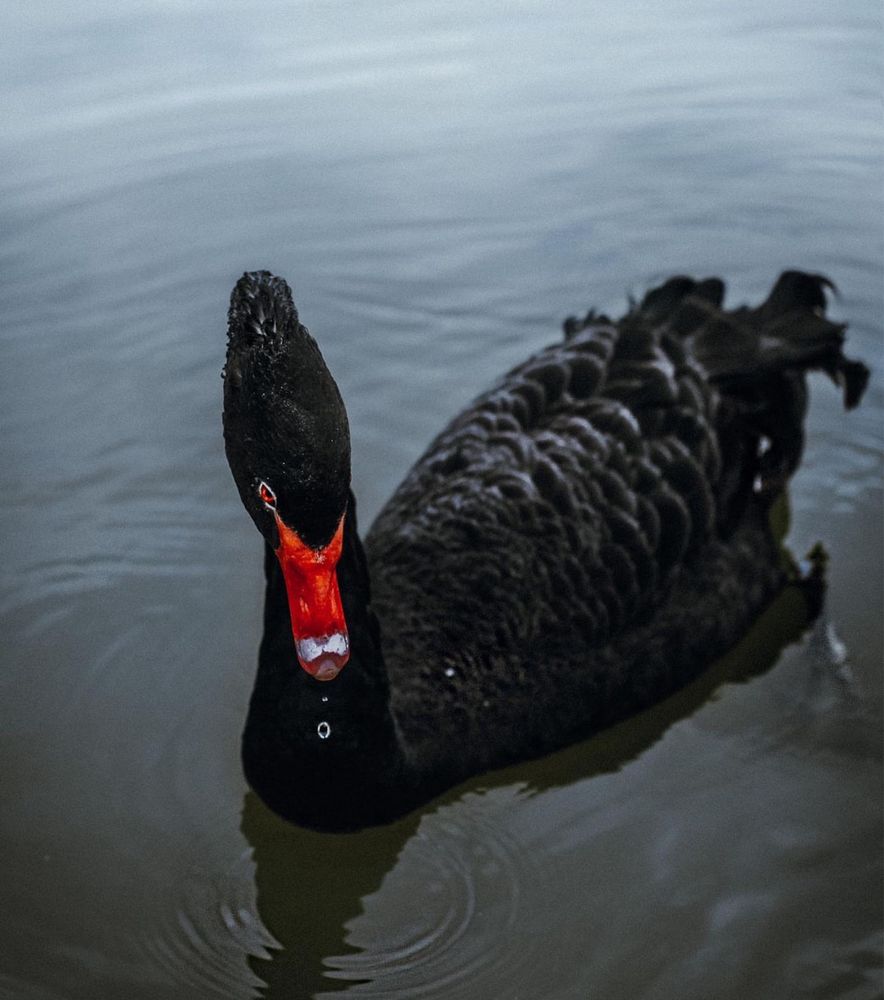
[577,544]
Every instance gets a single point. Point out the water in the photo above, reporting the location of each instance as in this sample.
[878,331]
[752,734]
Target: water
[442,184]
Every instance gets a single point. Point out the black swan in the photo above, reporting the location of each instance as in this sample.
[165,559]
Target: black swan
[577,544]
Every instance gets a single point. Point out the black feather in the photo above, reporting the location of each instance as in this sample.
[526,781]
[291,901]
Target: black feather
[579,542]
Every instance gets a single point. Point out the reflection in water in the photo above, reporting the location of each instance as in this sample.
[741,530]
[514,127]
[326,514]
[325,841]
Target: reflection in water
[443,870]
[309,885]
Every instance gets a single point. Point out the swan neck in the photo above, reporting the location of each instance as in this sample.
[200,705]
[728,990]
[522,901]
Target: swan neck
[325,754]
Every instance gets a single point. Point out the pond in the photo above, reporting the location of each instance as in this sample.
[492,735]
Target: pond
[442,184]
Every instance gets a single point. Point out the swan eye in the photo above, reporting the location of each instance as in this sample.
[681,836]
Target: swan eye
[268,497]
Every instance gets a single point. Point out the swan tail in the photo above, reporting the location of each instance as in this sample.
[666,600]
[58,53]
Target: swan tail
[757,359]
[744,351]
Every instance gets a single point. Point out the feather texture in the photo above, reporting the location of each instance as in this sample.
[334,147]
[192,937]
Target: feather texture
[614,486]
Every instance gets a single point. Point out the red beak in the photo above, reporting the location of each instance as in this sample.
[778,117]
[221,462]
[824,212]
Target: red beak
[311,582]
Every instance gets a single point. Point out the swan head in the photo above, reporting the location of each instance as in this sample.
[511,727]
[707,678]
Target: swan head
[288,445]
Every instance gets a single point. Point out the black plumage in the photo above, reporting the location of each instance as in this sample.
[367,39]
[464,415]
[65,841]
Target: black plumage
[578,543]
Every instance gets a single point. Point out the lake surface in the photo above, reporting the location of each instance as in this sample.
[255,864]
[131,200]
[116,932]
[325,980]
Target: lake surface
[442,184]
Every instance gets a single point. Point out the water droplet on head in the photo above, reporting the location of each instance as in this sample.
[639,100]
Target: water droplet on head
[449,671]
[323,730]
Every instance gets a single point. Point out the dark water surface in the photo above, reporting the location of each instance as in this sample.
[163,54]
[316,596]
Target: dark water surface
[443,183]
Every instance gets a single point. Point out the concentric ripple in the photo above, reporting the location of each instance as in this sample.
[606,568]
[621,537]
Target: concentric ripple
[209,925]
[442,920]
[441,916]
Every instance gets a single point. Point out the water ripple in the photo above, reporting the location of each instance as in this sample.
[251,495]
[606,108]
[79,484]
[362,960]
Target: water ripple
[209,924]
[443,918]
